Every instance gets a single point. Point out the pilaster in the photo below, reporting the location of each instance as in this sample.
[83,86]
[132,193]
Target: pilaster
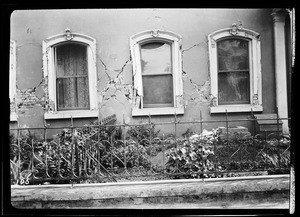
[278,16]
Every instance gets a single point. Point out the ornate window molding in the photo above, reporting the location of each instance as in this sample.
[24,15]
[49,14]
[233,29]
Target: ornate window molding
[12,79]
[50,74]
[135,47]
[237,31]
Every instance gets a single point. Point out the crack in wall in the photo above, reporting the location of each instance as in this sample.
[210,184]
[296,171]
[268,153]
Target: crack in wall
[115,84]
[28,98]
[200,44]
[123,67]
[201,92]
[115,88]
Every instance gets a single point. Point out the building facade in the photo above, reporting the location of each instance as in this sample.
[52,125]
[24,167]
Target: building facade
[196,64]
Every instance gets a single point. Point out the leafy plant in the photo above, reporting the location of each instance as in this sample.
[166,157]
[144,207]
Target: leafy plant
[98,153]
[193,157]
[142,133]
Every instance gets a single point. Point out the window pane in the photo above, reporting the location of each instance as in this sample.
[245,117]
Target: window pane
[83,90]
[234,88]
[233,55]
[66,93]
[158,91]
[71,60]
[156,58]
[72,76]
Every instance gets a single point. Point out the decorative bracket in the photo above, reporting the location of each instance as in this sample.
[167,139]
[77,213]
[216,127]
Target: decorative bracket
[154,33]
[68,35]
[255,99]
[179,100]
[235,28]
[213,102]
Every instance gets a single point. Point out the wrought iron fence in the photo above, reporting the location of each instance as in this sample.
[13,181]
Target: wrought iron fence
[102,152]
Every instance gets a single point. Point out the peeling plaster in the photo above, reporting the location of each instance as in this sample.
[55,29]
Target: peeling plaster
[114,90]
[199,93]
[28,98]
[194,92]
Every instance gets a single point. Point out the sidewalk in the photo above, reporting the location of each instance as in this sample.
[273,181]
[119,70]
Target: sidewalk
[254,192]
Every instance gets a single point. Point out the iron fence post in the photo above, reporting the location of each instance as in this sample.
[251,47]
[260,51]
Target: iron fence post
[111,158]
[227,136]
[176,144]
[253,128]
[72,151]
[277,120]
[19,157]
[32,162]
[266,145]
[124,142]
[150,141]
[201,125]
[45,148]
[164,166]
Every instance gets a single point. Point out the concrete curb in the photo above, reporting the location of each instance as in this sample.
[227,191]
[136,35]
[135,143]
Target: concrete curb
[229,191]
[206,180]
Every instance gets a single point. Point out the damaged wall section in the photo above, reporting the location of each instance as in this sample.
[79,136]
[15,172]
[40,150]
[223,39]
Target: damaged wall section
[115,90]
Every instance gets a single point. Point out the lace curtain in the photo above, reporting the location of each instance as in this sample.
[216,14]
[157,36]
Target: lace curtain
[72,76]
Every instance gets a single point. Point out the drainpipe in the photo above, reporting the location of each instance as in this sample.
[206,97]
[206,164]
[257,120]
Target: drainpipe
[280,66]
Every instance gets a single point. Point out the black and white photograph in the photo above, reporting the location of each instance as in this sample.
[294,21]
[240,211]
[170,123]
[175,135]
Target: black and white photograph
[151,109]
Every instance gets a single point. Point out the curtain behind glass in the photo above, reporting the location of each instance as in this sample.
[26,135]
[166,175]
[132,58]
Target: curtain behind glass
[72,76]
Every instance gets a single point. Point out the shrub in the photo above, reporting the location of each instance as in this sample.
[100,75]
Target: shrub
[143,133]
[86,147]
[192,158]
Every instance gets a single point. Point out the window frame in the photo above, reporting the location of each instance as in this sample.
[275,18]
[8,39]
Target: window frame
[50,75]
[175,41]
[162,105]
[254,70]
[69,76]
[12,78]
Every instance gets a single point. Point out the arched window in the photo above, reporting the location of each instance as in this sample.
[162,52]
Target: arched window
[71,76]
[69,64]
[235,70]
[157,73]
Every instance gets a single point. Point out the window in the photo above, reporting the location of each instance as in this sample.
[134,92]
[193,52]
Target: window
[70,68]
[71,77]
[235,70]
[157,76]
[12,80]
[157,73]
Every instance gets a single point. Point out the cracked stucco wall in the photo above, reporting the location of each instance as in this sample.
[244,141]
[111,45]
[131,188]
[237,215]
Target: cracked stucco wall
[112,30]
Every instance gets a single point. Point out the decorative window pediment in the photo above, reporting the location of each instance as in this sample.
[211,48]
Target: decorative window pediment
[235,70]
[157,73]
[69,64]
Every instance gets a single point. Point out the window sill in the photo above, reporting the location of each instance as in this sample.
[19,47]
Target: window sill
[157,111]
[236,108]
[73,114]
[13,116]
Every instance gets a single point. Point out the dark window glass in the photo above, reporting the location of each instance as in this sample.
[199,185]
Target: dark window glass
[156,61]
[71,76]
[233,71]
